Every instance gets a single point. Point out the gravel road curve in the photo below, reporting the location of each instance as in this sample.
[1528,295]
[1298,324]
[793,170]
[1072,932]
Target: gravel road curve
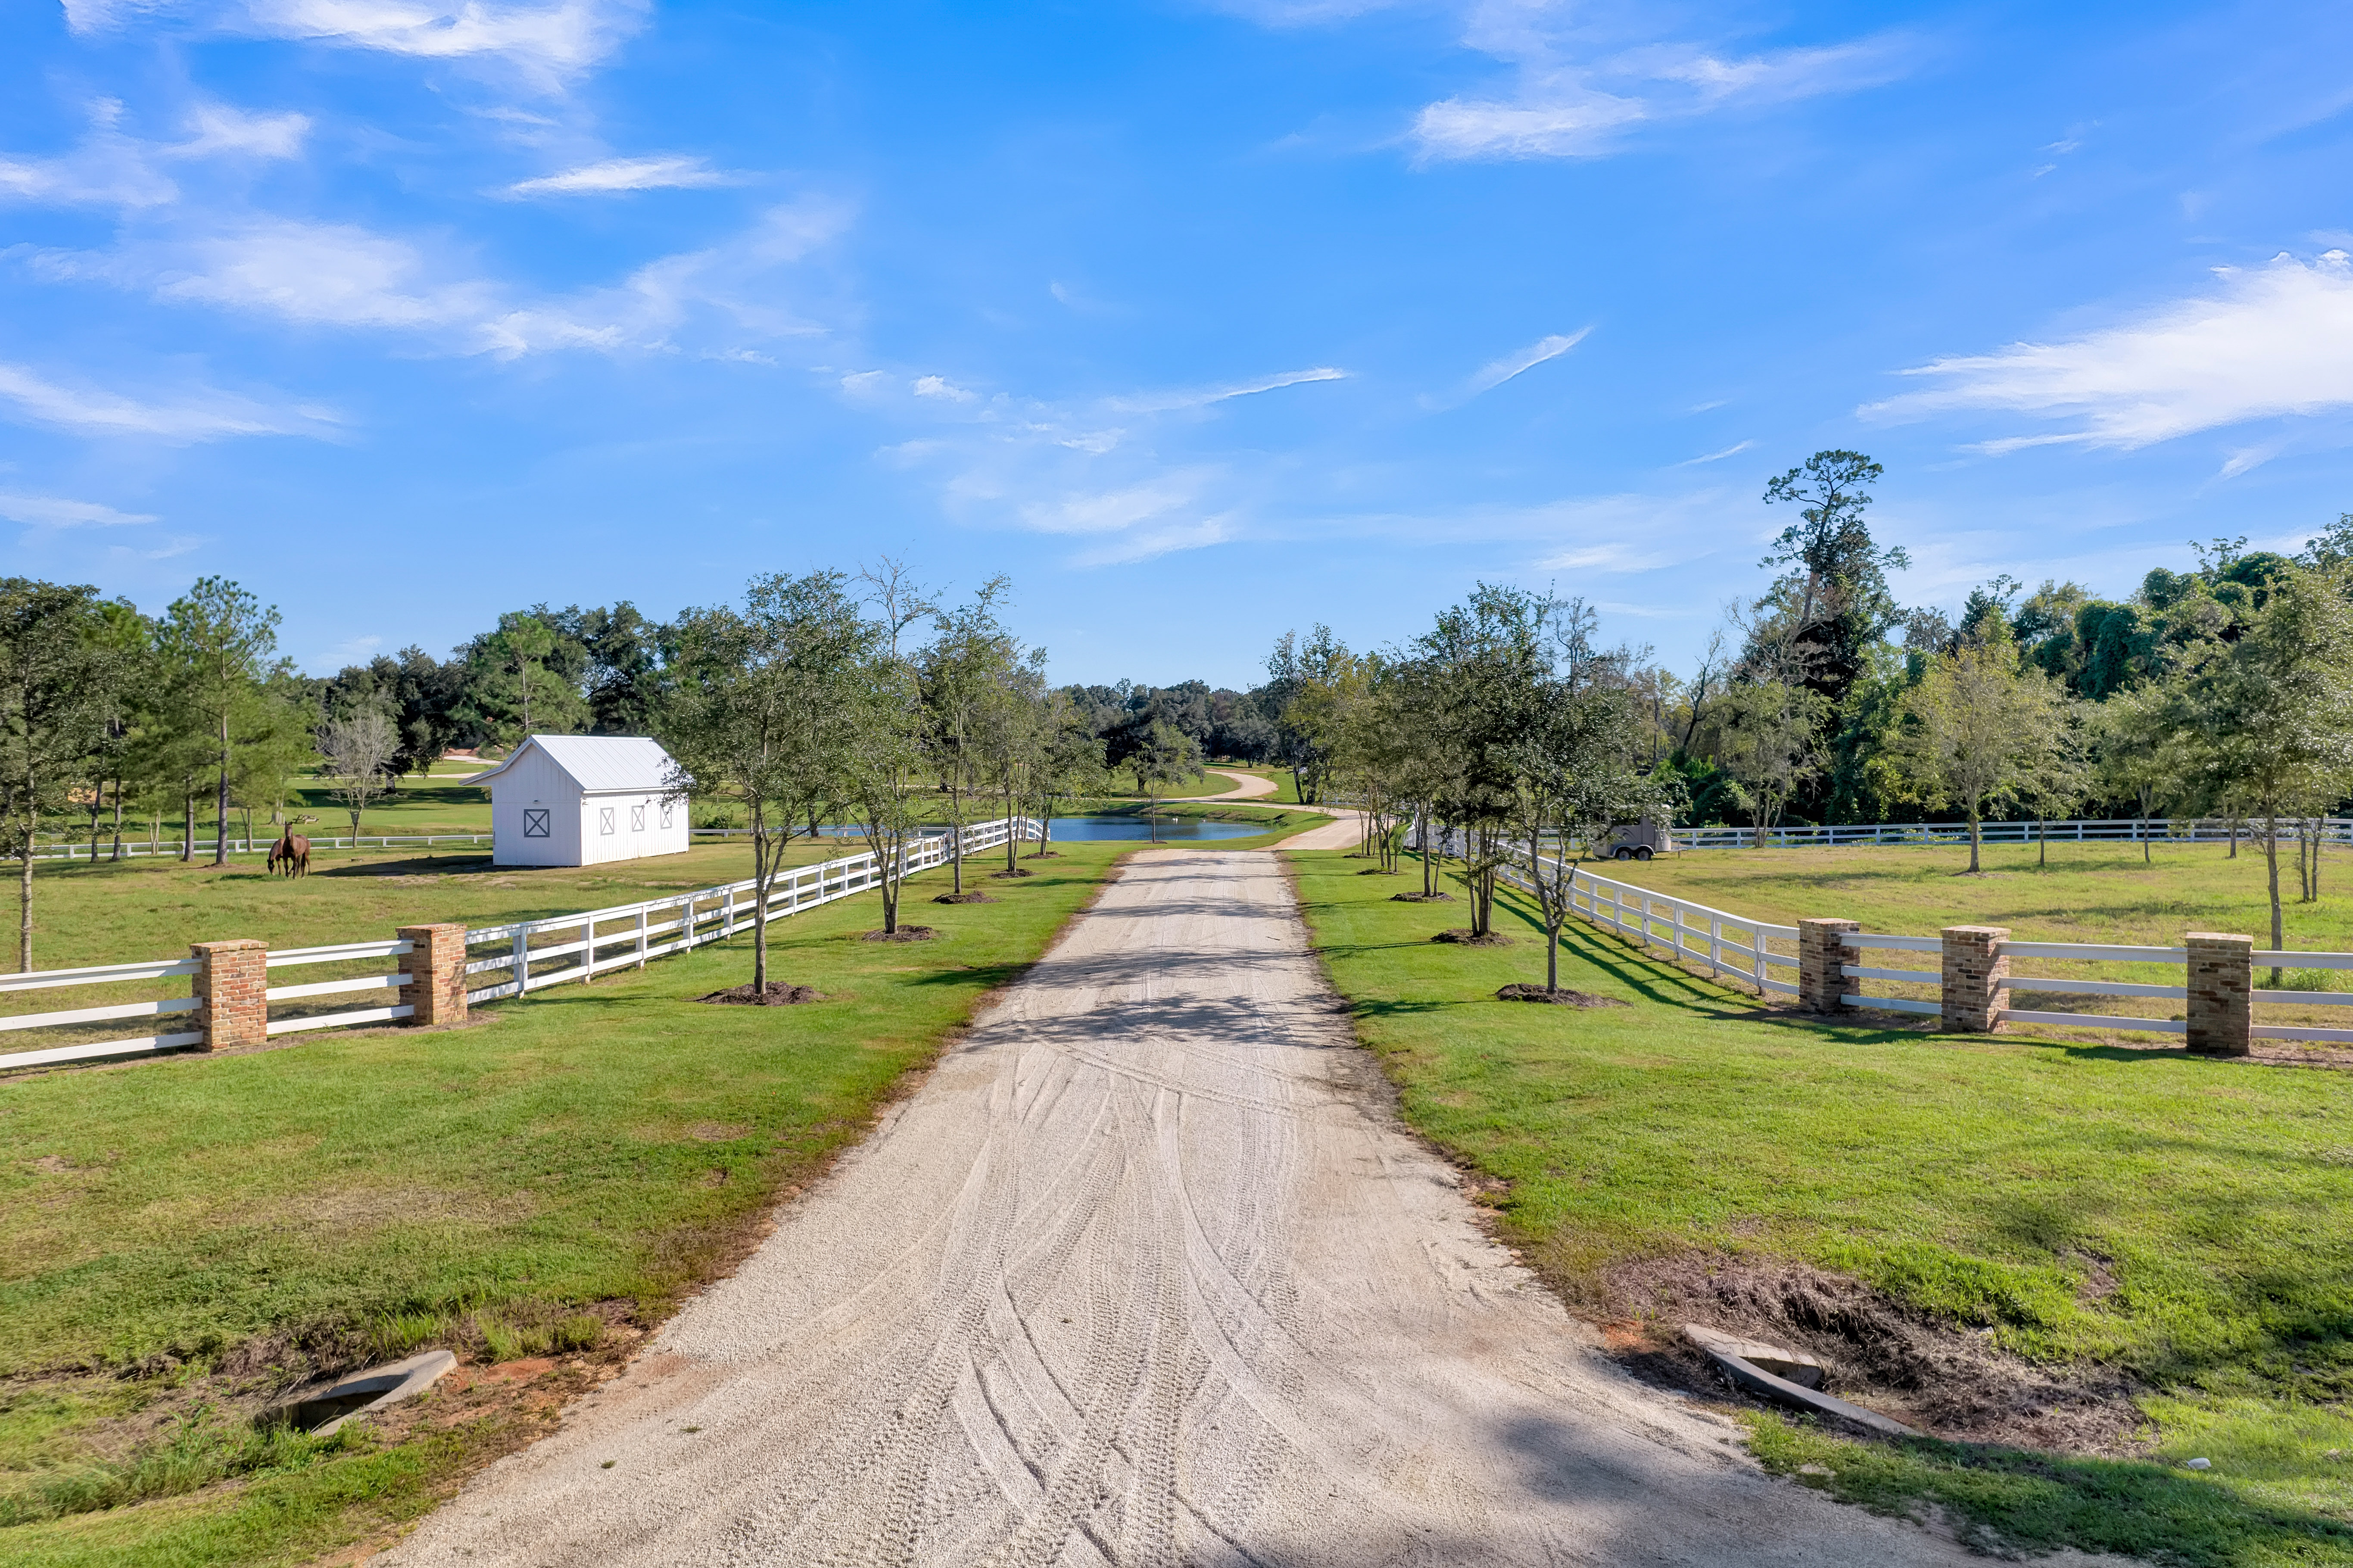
[1145,1273]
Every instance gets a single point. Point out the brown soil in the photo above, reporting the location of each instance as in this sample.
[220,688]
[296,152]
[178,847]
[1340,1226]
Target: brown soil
[904,933]
[1017,871]
[1043,854]
[1422,897]
[963,898]
[1460,936]
[780,995]
[1947,1381]
[1379,871]
[1564,997]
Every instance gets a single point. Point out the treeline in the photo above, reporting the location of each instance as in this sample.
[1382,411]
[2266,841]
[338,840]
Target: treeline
[2224,692]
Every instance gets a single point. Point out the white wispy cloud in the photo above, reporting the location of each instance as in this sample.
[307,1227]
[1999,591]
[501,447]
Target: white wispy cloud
[940,388]
[1567,102]
[619,176]
[344,276]
[200,414]
[546,42]
[1614,555]
[55,512]
[1734,450]
[2273,341]
[112,167]
[219,128]
[1494,373]
[1201,398]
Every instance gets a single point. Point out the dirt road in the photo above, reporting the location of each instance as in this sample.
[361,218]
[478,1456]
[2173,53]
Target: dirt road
[1145,1274]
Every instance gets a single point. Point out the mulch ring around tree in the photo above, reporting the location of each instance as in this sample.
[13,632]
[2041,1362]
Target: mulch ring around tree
[904,933]
[963,898]
[1422,897]
[778,994]
[1017,871]
[1044,855]
[1379,871]
[1564,997]
[1462,936]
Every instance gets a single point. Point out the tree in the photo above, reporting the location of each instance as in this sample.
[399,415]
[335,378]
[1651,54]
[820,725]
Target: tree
[358,747]
[767,713]
[962,672]
[1574,779]
[1831,598]
[1766,735]
[1976,726]
[2136,756]
[512,686]
[1168,756]
[882,769]
[275,744]
[2057,773]
[1070,760]
[217,639]
[1011,738]
[2267,721]
[58,677]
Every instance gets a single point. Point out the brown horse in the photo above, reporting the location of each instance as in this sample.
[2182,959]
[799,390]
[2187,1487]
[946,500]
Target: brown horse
[290,855]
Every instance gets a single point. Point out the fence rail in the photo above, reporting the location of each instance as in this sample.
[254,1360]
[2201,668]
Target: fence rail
[645,931]
[2128,829]
[82,849]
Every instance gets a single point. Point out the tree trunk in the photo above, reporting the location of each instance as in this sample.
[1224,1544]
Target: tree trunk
[25,906]
[2271,857]
[187,820]
[2041,844]
[97,808]
[2144,839]
[1973,839]
[955,836]
[1012,839]
[760,875]
[1552,956]
[220,807]
[118,818]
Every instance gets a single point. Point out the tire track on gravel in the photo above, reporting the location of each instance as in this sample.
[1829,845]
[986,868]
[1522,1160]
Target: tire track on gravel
[1142,1275]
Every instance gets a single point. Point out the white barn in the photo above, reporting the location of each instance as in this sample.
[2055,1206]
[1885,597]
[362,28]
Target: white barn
[584,800]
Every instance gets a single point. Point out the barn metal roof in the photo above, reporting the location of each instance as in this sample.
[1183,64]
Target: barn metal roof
[598,763]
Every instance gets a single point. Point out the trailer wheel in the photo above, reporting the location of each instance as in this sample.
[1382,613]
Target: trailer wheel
[1641,852]
[1621,853]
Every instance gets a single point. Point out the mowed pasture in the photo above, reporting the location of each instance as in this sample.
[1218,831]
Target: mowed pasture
[182,1236]
[2097,1216]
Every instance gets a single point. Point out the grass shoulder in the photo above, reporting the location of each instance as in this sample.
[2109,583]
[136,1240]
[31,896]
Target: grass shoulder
[2136,1257]
[184,1236]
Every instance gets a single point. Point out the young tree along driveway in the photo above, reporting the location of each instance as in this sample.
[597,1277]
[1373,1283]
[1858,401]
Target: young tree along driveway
[1144,1273]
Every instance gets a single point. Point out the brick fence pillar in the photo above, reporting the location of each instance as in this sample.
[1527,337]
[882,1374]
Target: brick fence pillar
[232,986]
[1975,974]
[1820,956]
[436,966]
[2220,983]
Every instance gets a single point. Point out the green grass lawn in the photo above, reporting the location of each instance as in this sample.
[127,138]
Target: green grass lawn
[587,1151]
[2091,893]
[2180,1221]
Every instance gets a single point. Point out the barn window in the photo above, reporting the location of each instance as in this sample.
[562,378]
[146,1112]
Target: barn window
[605,819]
[666,811]
[534,822]
[637,819]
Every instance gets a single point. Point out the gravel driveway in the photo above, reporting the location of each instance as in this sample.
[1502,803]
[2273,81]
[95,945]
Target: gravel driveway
[1144,1273]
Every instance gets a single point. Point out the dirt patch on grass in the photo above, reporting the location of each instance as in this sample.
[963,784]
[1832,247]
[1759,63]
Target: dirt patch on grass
[904,933]
[1044,855]
[1945,1380]
[1564,997]
[776,995]
[963,898]
[1017,871]
[1462,936]
[1422,897]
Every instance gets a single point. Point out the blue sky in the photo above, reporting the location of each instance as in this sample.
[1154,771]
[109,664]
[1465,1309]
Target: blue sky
[1200,320]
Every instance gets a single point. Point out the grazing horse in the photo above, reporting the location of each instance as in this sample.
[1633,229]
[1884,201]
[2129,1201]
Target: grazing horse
[292,854]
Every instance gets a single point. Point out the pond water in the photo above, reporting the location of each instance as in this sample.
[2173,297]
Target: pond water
[1173,829]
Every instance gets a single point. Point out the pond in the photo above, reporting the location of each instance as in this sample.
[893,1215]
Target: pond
[1173,829]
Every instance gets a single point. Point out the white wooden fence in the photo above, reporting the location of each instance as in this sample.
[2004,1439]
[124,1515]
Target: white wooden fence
[80,849]
[1737,945]
[2128,829]
[534,952]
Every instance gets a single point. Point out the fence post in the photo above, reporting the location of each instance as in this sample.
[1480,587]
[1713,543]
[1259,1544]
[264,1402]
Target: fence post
[231,987]
[434,964]
[641,937]
[1820,956]
[2221,1011]
[521,960]
[1976,972]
